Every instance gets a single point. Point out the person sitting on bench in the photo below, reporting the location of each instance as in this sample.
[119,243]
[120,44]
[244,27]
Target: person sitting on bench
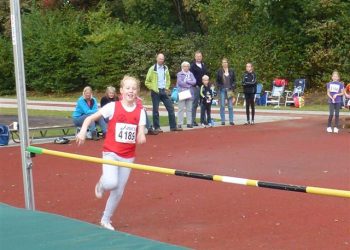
[86,106]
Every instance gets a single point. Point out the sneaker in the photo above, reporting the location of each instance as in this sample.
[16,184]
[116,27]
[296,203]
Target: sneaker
[95,135]
[89,135]
[151,131]
[176,129]
[329,130]
[222,123]
[212,123]
[247,123]
[159,130]
[203,125]
[190,126]
[232,123]
[98,190]
[107,225]
[195,124]
[335,130]
[252,123]
[61,140]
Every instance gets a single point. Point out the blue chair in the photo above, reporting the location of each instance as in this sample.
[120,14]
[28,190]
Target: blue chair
[259,88]
[299,88]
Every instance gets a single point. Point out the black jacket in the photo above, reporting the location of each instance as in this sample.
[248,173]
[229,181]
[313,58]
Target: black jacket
[220,80]
[206,94]
[105,100]
[198,72]
[249,83]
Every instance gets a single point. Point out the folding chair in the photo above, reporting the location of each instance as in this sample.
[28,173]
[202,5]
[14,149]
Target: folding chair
[274,96]
[259,88]
[299,88]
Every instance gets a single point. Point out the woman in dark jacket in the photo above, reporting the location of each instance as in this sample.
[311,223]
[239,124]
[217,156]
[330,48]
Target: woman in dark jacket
[225,80]
[249,89]
[110,96]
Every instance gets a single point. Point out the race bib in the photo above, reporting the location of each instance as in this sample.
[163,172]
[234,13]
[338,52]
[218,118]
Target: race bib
[125,132]
[334,88]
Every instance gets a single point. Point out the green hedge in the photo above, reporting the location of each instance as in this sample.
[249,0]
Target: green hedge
[66,49]
[7,80]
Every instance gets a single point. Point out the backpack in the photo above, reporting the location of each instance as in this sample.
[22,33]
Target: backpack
[299,101]
[4,135]
[175,95]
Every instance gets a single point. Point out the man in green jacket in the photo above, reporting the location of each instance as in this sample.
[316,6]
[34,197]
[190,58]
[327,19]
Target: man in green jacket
[158,81]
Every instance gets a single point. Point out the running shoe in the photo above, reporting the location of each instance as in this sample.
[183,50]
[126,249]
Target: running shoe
[151,131]
[329,130]
[159,130]
[107,225]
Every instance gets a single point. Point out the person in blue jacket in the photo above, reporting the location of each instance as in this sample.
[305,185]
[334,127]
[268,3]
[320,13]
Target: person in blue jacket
[86,106]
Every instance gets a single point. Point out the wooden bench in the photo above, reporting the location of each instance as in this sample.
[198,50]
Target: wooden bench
[42,130]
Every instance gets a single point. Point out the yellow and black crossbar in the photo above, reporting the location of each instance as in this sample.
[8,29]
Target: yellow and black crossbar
[219,178]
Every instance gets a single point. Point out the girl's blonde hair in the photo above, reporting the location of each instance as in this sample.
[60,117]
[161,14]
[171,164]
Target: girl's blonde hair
[87,88]
[336,72]
[110,89]
[127,77]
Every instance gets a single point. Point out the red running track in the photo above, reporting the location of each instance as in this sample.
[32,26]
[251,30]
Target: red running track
[203,214]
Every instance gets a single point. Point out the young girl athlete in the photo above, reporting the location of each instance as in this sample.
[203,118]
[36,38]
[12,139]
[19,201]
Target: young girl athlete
[125,129]
[335,90]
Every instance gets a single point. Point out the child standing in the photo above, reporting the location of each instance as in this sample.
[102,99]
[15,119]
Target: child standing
[125,129]
[335,90]
[206,94]
[249,89]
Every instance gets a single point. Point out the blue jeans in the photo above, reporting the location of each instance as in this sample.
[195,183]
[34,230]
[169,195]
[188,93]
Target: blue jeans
[156,99]
[223,98]
[196,96]
[78,121]
[148,124]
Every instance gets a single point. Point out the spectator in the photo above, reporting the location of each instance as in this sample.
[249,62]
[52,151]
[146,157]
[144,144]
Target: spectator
[86,106]
[198,69]
[110,96]
[158,81]
[206,93]
[226,83]
[335,90]
[185,82]
[249,90]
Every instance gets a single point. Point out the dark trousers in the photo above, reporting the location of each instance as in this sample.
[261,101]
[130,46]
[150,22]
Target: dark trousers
[195,103]
[162,96]
[249,102]
[205,109]
[334,110]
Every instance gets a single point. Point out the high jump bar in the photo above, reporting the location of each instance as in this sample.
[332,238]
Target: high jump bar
[210,177]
